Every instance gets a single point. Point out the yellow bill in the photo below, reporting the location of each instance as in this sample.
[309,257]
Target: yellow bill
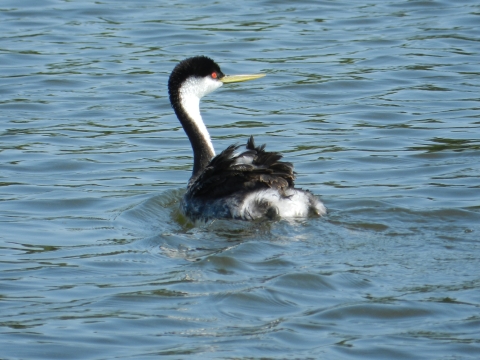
[239,78]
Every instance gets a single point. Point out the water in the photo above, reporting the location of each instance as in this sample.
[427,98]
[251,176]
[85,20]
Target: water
[376,103]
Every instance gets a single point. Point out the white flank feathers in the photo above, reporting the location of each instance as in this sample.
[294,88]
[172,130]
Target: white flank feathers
[296,204]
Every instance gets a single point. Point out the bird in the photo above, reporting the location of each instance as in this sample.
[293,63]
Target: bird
[243,182]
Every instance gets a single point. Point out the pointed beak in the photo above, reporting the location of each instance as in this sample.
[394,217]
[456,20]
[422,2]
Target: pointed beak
[239,78]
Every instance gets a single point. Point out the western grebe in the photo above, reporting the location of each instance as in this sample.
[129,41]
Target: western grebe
[243,184]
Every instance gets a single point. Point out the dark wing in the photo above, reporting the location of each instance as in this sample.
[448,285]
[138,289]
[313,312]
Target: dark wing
[252,169]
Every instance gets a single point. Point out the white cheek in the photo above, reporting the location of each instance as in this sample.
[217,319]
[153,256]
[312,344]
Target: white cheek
[199,87]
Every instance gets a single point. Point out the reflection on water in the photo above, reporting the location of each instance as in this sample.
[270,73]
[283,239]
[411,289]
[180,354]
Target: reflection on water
[376,104]
[440,144]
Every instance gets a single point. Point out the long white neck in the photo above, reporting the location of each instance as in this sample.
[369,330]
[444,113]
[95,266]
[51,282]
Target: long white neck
[190,102]
[188,112]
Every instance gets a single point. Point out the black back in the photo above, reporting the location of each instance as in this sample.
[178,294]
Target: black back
[226,175]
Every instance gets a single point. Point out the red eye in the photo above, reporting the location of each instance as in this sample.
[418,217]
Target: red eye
[214,75]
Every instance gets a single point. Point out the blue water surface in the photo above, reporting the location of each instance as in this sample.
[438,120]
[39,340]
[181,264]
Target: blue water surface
[375,102]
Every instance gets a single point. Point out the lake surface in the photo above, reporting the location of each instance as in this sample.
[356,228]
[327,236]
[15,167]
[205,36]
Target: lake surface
[377,103]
